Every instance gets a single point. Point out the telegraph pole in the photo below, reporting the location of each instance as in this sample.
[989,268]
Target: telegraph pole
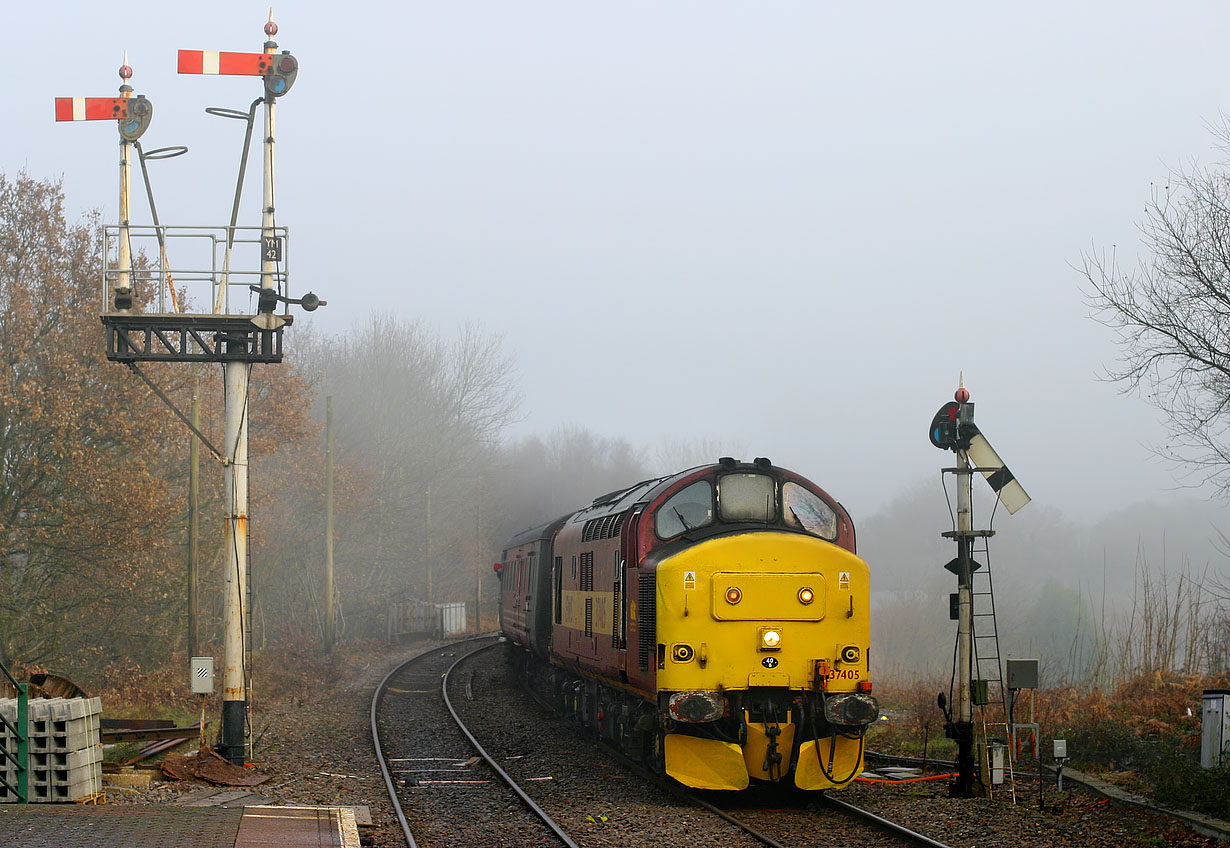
[328,634]
[194,519]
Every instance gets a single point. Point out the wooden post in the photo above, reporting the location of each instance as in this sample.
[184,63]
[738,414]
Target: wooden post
[329,615]
[194,520]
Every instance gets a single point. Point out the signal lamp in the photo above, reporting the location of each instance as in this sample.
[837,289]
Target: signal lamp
[806,595]
[281,74]
[140,113]
[733,595]
[770,638]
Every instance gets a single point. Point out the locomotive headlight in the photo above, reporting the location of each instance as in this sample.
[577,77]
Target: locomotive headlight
[806,595]
[770,638]
[733,595]
[851,710]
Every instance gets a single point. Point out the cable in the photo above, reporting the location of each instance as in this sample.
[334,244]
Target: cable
[858,761]
[952,516]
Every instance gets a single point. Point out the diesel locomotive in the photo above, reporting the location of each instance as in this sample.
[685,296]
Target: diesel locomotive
[712,624]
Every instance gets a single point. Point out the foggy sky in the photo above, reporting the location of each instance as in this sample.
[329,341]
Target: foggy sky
[787,225]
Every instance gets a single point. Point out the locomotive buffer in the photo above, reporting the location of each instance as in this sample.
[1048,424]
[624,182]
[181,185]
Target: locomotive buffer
[953,429]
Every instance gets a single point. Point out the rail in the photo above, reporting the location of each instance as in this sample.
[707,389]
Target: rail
[20,731]
[482,752]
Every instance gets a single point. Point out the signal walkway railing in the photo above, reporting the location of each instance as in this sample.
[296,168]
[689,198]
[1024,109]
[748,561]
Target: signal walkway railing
[20,731]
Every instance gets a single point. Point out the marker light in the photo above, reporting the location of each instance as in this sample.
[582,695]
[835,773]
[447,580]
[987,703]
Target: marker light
[806,595]
[770,638]
[733,595]
[682,652]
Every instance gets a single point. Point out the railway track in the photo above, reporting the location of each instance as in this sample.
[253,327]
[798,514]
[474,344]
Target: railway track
[578,795]
[441,792]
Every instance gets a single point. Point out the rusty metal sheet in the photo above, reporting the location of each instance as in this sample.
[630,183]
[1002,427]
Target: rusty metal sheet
[209,766]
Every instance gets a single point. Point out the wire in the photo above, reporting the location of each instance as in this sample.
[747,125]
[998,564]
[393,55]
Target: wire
[952,516]
[906,780]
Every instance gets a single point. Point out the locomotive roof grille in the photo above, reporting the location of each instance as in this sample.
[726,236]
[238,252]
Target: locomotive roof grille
[602,527]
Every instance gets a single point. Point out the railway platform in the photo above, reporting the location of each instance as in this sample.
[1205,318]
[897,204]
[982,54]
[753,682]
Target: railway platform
[132,826]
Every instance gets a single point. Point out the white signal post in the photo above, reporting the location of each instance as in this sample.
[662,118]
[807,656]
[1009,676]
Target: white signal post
[132,117]
[235,677]
[965,618]
[125,276]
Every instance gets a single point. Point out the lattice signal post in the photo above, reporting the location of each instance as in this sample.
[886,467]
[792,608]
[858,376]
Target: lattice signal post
[233,339]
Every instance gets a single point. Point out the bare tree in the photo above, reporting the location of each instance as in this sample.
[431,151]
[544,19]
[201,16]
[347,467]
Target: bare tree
[417,419]
[1172,313]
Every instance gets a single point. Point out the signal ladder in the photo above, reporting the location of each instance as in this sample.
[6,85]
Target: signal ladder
[988,667]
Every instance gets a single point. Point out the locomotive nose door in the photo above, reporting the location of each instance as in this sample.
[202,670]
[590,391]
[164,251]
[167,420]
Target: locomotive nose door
[627,559]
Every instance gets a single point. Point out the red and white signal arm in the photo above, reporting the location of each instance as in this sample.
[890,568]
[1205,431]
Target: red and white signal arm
[226,64]
[91,108]
[133,113]
[278,69]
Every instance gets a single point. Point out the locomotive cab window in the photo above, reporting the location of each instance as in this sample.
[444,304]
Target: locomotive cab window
[807,511]
[687,509]
[747,497]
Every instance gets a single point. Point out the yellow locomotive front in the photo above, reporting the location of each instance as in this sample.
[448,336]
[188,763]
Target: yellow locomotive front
[762,637]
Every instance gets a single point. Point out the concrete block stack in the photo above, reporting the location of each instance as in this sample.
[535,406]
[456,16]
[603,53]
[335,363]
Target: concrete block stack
[65,751]
[8,743]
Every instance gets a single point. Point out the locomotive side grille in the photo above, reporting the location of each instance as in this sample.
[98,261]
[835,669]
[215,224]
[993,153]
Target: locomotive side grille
[615,617]
[587,572]
[647,618]
[589,616]
[617,526]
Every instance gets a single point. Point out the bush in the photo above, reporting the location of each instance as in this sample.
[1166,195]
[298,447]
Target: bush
[1150,727]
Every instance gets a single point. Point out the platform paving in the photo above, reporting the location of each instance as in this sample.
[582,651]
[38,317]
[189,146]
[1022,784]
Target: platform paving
[131,826]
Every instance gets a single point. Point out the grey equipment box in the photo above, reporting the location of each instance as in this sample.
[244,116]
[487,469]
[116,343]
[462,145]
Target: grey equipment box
[1022,674]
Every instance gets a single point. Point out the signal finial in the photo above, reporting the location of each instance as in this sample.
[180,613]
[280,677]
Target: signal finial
[271,29]
[962,393]
[125,75]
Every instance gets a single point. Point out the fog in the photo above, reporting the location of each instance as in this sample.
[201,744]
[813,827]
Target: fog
[784,227]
